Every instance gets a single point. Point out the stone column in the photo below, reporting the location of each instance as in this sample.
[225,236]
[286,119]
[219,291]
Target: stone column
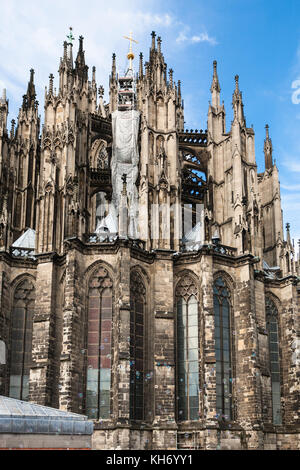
[72,354]
[290,355]
[209,359]
[41,374]
[122,347]
[247,387]
[164,424]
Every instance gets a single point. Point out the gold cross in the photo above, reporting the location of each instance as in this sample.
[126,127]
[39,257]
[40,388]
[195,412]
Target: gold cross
[131,40]
[130,55]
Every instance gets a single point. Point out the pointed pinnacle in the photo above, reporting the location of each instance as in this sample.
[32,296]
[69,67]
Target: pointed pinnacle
[236,78]
[267,132]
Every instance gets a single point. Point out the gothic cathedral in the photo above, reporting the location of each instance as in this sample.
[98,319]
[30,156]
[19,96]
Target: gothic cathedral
[145,277]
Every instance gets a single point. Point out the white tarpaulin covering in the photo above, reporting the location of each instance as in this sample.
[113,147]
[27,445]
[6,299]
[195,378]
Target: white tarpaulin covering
[125,159]
[194,239]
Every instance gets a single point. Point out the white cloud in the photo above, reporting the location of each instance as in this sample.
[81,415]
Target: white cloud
[32,35]
[292,165]
[202,37]
[293,187]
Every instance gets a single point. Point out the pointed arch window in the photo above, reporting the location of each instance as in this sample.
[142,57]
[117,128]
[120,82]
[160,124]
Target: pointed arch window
[273,334]
[187,350]
[99,345]
[137,346]
[21,340]
[223,349]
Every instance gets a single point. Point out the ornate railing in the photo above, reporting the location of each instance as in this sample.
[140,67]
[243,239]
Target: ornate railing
[224,250]
[27,253]
[94,238]
[195,138]
[219,249]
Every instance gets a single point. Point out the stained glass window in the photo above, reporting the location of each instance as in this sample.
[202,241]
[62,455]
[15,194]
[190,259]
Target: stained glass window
[187,350]
[137,314]
[223,350]
[272,329]
[21,340]
[99,344]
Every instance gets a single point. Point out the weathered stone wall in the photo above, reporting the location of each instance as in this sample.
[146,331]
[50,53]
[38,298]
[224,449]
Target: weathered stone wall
[59,347]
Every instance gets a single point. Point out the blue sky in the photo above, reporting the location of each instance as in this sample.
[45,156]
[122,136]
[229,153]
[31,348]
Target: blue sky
[257,39]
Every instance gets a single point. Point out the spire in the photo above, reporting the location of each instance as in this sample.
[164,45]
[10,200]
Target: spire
[159,44]
[113,67]
[80,44]
[288,234]
[94,74]
[65,51]
[80,60]
[237,103]
[215,87]
[70,39]
[141,70]
[80,67]
[31,94]
[268,150]
[153,34]
[179,91]
[12,132]
[51,78]
[171,77]
[66,62]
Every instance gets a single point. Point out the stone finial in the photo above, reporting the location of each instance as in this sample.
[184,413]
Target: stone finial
[236,78]
[94,74]
[101,91]
[81,38]
[153,34]
[159,44]
[171,77]
[179,89]
[51,78]
[141,70]
[113,67]
[24,105]
[65,50]
[288,233]
[12,132]
[215,86]
[268,150]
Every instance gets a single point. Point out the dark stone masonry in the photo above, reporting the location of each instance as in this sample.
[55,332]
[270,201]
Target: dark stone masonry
[167,335]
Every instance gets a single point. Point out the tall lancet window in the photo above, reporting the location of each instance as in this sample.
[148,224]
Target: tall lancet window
[223,349]
[99,345]
[21,340]
[187,350]
[137,346]
[272,328]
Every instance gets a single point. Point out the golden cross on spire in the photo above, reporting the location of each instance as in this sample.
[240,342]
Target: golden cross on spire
[130,55]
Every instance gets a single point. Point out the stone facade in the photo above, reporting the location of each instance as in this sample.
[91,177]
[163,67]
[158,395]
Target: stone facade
[50,183]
